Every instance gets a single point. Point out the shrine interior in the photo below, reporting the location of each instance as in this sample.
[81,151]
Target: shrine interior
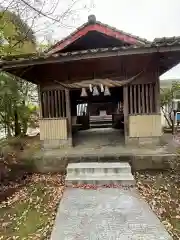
[96,114]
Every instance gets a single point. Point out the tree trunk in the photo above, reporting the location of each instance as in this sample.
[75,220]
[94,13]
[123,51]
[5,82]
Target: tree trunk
[169,121]
[17,130]
[7,125]
[24,120]
[8,130]
[25,127]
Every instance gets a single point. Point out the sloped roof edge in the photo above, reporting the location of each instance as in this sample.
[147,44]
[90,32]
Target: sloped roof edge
[156,44]
[95,26]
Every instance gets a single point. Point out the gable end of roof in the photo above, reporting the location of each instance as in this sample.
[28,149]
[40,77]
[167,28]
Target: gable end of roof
[99,27]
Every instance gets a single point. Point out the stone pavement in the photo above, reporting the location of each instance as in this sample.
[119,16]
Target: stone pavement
[103,141]
[106,213]
[98,137]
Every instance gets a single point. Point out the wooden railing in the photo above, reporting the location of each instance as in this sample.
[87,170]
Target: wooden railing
[142,99]
[53,103]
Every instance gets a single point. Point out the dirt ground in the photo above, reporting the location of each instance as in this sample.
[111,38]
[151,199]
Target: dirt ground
[28,201]
[162,192]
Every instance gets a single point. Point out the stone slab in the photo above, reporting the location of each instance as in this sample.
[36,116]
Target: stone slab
[123,180]
[98,168]
[98,165]
[109,214]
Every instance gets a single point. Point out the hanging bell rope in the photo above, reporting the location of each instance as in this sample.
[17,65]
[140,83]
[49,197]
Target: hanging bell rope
[83,92]
[107,92]
[95,91]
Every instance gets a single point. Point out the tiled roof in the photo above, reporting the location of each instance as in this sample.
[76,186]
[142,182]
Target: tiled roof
[166,41]
[142,40]
[158,42]
[139,39]
[63,54]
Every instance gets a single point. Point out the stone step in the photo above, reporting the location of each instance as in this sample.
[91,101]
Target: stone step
[99,173]
[98,169]
[101,121]
[100,118]
[100,125]
[123,180]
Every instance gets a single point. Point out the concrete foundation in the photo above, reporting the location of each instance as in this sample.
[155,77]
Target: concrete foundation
[56,143]
[57,160]
[143,141]
[101,146]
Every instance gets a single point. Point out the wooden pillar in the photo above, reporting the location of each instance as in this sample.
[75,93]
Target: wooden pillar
[157,95]
[126,111]
[40,103]
[68,115]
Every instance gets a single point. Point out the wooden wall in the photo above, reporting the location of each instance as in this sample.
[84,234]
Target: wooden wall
[142,107]
[145,126]
[53,103]
[142,99]
[52,129]
[53,118]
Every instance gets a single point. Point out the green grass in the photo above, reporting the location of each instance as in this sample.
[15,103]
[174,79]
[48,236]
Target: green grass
[30,212]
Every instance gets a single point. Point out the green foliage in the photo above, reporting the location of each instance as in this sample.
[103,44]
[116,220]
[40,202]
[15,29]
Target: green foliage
[166,100]
[15,94]
[168,94]
[15,35]
[15,111]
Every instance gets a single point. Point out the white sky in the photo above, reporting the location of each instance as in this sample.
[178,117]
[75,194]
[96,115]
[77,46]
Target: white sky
[148,19]
[144,18]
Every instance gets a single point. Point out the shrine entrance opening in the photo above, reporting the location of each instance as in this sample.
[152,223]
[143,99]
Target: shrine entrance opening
[97,120]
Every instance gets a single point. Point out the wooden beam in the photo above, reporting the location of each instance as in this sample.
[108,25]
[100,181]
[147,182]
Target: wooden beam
[131,100]
[135,99]
[62,58]
[125,110]
[68,115]
[147,93]
[63,103]
[48,104]
[143,98]
[40,101]
[59,102]
[139,99]
[52,87]
[56,104]
[45,104]
[151,97]
[52,103]
[157,96]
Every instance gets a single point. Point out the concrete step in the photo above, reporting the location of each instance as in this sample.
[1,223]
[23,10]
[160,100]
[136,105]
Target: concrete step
[101,121]
[95,168]
[100,118]
[99,173]
[123,179]
[100,125]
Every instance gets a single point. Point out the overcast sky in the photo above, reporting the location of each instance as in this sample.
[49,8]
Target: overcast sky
[147,19]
